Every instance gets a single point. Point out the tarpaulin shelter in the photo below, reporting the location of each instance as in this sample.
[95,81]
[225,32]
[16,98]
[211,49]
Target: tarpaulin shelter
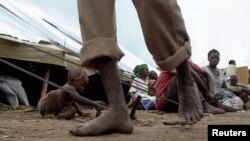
[14,48]
[34,57]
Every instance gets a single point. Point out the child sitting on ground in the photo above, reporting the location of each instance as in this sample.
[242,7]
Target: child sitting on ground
[61,103]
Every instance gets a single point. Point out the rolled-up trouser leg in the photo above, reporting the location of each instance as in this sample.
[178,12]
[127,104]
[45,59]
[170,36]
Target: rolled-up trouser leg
[98,29]
[164,31]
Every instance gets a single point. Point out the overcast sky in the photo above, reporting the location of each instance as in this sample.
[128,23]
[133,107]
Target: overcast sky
[219,24]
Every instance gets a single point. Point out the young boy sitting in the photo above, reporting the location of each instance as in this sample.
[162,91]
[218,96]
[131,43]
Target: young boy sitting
[61,103]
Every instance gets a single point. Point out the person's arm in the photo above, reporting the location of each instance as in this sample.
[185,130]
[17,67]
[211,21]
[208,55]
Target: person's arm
[209,94]
[80,99]
[210,81]
[245,87]
[78,108]
[198,81]
[133,90]
[196,68]
[84,101]
[235,89]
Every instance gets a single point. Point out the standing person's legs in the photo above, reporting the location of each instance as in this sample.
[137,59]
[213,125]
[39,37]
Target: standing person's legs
[167,40]
[100,51]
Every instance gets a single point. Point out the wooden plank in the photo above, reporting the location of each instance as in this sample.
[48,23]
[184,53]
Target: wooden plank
[242,74]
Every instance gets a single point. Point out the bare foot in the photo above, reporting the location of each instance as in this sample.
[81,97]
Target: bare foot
[190,106]
[116,119]
[109,121]
[211,109]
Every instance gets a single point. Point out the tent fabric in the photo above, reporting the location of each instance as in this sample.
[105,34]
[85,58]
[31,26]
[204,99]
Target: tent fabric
[13,48]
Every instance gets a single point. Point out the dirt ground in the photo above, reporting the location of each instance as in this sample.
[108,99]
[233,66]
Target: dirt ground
[23,125]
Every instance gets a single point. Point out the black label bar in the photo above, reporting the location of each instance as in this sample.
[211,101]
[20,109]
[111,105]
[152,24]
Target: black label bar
[229,131]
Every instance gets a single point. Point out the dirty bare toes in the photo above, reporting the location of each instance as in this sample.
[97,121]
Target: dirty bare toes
[108,122]
[190,107]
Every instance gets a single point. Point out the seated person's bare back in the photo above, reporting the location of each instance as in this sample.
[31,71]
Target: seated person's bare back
[61,103]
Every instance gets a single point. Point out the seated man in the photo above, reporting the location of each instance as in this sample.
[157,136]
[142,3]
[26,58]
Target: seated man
[60,102]
[139,87]
[241,90]
[230,70]
[167,94]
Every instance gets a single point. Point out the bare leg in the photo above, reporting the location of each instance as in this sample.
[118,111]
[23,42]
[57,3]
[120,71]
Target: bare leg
[78,108]
[132,100]
[169,43]
[190,106]
[67,113]
[130,103]
[116,118]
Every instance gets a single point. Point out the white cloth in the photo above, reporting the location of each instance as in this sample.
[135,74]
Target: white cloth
[218,80]
[230,70]
[234,102]
[13,86]
[140,87]
[10,95]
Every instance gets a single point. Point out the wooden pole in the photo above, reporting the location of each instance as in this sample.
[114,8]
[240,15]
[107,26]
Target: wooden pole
[45,84]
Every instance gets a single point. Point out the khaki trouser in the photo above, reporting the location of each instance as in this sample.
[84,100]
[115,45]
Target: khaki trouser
[162,24]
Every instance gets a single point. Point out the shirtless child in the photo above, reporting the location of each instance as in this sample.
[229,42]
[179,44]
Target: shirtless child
[62,104]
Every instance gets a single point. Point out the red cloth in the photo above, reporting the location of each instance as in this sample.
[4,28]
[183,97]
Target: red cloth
[164,80]
[162,84]
[195,67]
